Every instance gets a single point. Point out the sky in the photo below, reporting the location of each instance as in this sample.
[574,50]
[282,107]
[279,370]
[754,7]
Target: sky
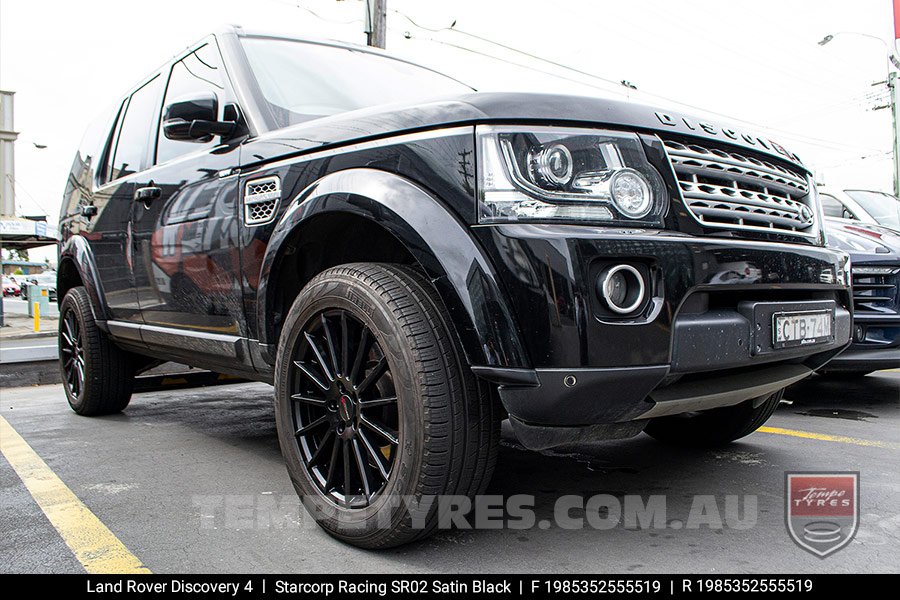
[754,64]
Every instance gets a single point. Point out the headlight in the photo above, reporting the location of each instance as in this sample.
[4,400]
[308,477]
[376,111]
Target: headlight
[543,173]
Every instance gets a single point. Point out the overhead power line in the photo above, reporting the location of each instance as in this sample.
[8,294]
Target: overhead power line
[615,87]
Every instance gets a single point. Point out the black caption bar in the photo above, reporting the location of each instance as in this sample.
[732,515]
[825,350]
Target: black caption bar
[310,587]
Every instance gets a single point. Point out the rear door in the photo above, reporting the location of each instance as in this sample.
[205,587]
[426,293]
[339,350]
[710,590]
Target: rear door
[186,247]
[109,235]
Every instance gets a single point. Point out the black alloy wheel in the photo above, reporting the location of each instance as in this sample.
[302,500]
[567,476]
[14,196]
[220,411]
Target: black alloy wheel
[71,348]
[344,408]
[97,375]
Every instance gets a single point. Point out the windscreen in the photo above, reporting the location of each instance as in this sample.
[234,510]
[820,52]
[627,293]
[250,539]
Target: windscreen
[302,81]
[884,208]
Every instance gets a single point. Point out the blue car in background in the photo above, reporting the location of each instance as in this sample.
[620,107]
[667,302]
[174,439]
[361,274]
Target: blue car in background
[875,258]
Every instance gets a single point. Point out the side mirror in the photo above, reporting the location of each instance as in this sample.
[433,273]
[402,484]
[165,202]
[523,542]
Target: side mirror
[193,119]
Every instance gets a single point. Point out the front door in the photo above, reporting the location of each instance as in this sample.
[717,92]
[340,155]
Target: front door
[185,223]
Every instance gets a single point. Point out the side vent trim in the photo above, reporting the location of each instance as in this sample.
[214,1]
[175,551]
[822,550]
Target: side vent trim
[261,198]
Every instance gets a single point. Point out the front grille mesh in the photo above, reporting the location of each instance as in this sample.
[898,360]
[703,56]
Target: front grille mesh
[876,293]
[261,197]
[735,190]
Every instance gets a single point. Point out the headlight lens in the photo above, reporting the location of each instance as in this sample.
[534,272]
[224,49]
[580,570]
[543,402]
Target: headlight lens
[541,173]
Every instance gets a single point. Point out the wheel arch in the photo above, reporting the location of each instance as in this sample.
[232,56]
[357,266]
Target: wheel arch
[77,268]
[367,215]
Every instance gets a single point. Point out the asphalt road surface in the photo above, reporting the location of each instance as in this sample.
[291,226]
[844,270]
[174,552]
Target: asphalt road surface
[192,480]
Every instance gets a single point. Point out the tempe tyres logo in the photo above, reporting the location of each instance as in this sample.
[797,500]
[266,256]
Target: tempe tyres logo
[822,510]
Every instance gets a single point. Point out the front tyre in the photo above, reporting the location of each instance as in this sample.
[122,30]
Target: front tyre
[97,375]
[377,413]
[715,427]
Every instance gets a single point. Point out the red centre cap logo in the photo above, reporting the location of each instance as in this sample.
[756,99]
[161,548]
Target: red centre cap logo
[822,510]
[344,407]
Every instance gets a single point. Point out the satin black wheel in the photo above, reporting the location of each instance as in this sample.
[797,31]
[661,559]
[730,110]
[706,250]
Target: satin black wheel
[377,414]
[97,375]
[71,352]
[344,408]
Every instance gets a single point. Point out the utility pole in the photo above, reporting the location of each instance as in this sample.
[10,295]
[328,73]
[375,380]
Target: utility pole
[892,84]
[895,100]
[8,137]
[376,23]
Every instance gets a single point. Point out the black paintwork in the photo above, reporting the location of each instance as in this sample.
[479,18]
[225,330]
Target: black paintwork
[182,276]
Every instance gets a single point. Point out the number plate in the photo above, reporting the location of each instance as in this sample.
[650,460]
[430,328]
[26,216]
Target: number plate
[802,328]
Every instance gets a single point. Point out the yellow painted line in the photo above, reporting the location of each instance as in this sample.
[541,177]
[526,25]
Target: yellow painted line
[824,437]
[94,545]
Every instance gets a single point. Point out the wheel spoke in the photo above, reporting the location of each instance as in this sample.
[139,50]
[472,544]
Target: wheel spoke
[315,348]
[69,342]
[374,455]
[363,404]
[373,376]
[332,462]
[346,452]
[308,400]
[382,431]
[345,341]
[332,353]
[314,459]
[311,375]
[361,467]
[68,323]
[307,428]
[79,376]
[360,354]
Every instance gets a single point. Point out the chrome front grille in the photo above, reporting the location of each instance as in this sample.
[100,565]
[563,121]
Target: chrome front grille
[736,190]
[261,197]
[876,290]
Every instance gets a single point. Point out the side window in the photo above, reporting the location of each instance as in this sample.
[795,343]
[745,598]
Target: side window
[106,156]
[138,128]
[198,72]
[832,206]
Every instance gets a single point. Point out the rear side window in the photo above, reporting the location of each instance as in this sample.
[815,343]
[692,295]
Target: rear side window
[104,171]
[138,128]
[198,72]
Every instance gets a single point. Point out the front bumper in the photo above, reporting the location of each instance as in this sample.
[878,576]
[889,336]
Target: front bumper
[703,341]
[876,345]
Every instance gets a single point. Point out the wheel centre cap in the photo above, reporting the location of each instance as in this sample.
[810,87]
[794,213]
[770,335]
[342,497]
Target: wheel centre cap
[345,407]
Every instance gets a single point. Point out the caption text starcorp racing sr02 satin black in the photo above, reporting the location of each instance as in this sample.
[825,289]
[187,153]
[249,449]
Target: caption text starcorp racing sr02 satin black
[409,262]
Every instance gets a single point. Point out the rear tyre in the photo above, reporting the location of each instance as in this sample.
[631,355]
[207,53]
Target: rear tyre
[715,427]
[376,408]
[97,375]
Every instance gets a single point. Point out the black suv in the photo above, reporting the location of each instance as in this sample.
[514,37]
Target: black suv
[409,262]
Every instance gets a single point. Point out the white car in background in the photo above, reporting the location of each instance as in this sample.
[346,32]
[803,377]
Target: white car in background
[48,279]
[867,206]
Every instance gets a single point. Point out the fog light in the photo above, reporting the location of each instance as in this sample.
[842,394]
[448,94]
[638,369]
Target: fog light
[622,288]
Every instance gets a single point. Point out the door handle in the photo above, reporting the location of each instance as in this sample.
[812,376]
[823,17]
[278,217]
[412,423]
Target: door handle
[147,194]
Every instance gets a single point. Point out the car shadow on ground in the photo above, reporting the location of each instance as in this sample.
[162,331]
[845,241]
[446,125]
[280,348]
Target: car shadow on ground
[847,395]
[242,416]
